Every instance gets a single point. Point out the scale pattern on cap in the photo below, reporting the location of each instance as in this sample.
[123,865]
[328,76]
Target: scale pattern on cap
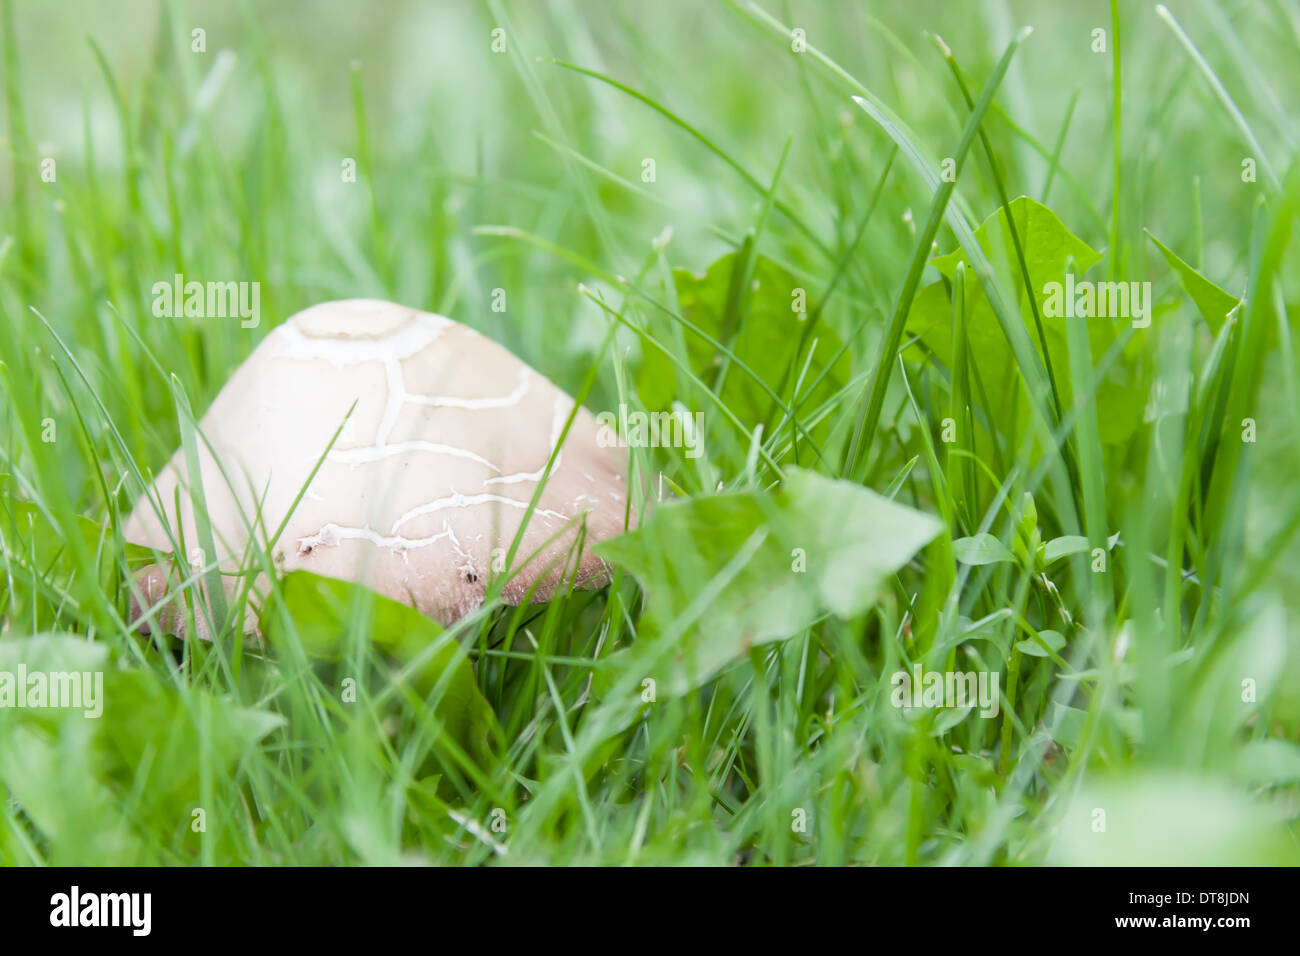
[422,494]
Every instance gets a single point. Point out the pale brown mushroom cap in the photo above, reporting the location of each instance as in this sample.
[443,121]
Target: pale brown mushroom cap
[430,479]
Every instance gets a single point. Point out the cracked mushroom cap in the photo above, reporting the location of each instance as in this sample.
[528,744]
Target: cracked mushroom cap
[421,496]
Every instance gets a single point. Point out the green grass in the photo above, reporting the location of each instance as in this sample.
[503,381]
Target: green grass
[1100,515]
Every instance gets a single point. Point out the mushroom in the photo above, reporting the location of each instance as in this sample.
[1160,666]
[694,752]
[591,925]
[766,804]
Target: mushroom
[431,477]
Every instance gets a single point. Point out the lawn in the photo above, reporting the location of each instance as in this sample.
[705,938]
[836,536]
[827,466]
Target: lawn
[954,366]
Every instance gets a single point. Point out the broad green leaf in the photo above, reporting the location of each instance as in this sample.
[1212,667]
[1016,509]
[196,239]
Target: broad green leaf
[1053,639]
[1046,241]
[95,776]
[744,569]
[160,737]
[1213,303]
[323,612]
[759,324]
[1048,247]
[1062,547]
[1269,761]
[949,719]
[1068,723]
[61,782]
[37,536]
[36,560]
[982,548]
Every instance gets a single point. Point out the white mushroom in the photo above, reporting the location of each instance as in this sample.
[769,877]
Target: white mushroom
[421,496]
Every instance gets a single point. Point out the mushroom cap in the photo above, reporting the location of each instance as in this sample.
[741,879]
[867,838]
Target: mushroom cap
[421,496]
